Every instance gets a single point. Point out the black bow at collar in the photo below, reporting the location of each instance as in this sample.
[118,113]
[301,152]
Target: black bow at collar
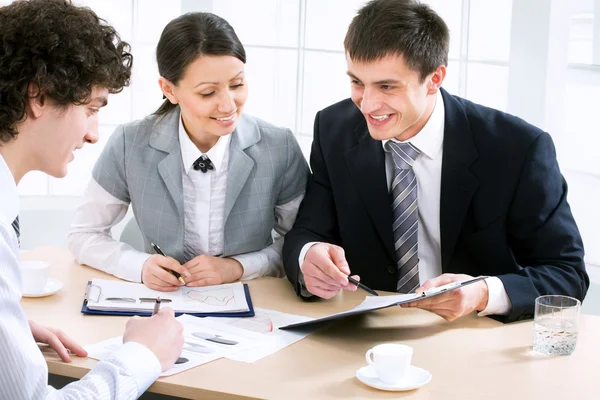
[203,164]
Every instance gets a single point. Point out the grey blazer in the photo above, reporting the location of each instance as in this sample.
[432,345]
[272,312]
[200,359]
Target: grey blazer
[142,165]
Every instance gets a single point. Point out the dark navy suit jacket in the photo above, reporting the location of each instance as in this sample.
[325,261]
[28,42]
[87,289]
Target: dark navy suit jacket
[503,209]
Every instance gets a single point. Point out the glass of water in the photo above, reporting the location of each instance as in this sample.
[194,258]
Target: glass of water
[555,325]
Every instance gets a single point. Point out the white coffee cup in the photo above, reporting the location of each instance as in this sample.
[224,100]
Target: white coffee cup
[390,361]
[35,276]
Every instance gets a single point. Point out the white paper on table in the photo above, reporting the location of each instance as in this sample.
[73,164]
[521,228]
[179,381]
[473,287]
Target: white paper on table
[103,349]
[245,340]
[266,323]
[197,350]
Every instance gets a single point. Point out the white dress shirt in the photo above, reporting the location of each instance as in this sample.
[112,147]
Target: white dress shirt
[428,171]
[91,242]
[23,371]
[203,196]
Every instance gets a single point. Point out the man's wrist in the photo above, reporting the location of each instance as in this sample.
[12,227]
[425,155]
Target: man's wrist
[484,296]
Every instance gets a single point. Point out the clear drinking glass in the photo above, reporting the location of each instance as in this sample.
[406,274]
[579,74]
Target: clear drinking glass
[555,325]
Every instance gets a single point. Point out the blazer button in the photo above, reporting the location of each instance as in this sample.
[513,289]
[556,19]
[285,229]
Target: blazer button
[391,269]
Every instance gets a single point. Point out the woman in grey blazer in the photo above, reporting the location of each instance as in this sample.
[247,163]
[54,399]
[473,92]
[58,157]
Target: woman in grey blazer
[207,183]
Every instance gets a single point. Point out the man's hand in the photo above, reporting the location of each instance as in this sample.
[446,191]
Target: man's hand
[208,270]
[456,303]
[57,340]
[326,270]
[161,333]
[156,276]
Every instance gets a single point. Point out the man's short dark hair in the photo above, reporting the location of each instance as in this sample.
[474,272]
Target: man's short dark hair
[399,27]
[62,50]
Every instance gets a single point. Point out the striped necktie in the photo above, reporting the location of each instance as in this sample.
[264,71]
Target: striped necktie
[17,228]
[405,214]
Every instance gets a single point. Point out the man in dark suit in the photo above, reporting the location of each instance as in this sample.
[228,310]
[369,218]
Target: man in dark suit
[413,188]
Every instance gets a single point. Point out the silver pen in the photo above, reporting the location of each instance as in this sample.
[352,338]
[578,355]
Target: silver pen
[156,306]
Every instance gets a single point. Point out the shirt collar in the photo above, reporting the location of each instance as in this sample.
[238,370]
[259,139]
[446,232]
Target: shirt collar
[430,139]
[9,201]
[190,153]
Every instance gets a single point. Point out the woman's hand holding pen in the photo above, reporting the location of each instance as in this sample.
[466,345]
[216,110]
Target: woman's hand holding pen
[456,303]
[208,270]
[326,270]
[156,276]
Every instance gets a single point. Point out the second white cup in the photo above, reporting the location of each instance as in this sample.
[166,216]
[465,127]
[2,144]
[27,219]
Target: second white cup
[390,361]
[35,276]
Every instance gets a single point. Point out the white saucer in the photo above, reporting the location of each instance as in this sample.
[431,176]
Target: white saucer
[415,377]
[52,286]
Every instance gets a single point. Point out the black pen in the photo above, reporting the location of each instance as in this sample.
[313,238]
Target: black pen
[156,306]
[361,286]
[175,273]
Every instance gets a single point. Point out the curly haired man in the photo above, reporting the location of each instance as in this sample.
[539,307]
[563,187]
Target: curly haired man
[58,64]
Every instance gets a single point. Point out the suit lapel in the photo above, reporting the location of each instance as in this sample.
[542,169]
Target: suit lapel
[458,182]
[366,162]
[170,172]
[165,137]
[240,164]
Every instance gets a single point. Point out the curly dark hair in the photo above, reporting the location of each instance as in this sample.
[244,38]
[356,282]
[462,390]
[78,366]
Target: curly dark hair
[61,50]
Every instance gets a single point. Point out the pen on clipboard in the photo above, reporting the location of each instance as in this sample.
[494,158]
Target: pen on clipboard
[451,286]
[175,273]
[361,286]
[156,306]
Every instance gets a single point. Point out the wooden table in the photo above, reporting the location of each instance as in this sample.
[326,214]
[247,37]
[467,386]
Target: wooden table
[472,358]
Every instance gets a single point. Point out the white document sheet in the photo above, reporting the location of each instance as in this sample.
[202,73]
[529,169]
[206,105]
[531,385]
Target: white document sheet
[203,343]
[101,350]
[266,323]
[207,339]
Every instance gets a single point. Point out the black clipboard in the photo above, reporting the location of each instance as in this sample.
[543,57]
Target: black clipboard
[249,313]
[439,290]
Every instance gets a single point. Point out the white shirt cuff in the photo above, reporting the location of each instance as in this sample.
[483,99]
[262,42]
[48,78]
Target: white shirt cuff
[303,252]
[142,364]
[254,265]
[132,262]
[303,290]
[498,301]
